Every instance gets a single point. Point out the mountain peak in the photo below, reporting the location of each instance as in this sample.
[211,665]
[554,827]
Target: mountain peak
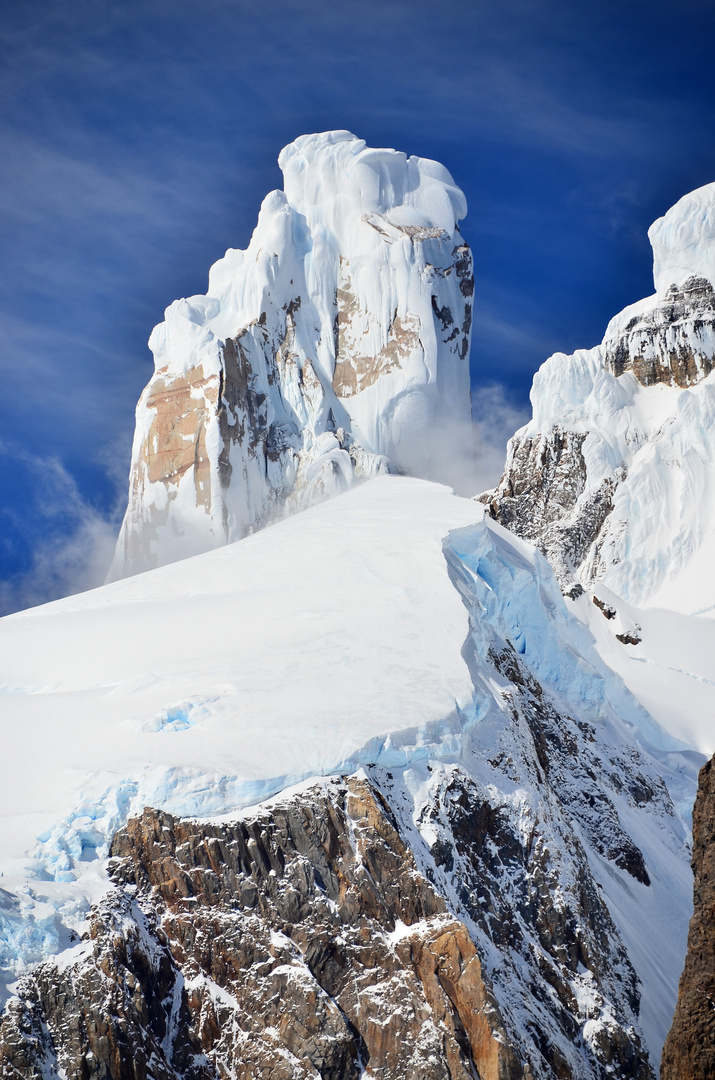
[335,347]
[683,240]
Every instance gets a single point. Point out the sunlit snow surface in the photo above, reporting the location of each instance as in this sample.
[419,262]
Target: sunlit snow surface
[325,642]
[683,240]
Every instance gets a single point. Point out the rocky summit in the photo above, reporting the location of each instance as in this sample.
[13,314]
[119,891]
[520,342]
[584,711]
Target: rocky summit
[336,347]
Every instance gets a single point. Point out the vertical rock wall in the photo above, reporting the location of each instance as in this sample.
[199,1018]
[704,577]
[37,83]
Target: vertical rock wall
[689,1052]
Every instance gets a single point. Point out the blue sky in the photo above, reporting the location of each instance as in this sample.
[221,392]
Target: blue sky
[137,140]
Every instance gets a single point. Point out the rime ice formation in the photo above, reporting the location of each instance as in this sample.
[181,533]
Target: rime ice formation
[336,346]
[683,240]
[614,476]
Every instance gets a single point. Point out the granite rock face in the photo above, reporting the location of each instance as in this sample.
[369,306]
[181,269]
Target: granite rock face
[689,1052]
[307,939]
[335,347]
[300,943]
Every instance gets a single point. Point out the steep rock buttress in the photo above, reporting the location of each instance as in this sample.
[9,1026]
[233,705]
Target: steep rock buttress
[689,1052]
[335,347]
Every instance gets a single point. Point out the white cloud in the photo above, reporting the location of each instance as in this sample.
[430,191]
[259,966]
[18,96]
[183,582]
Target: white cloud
[497,419]
[470,457]
[78,542]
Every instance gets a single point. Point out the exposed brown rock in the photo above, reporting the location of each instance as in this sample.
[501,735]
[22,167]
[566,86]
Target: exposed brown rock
[608,611]
[299,942]
[689,1052]
[177,437]
[670,342]
[356,373]
[356,369]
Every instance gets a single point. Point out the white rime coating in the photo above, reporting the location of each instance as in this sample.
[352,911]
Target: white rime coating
[683,240]
[336,346]
[643,401]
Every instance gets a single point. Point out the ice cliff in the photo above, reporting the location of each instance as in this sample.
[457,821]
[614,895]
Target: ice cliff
[614,476]
[335,346]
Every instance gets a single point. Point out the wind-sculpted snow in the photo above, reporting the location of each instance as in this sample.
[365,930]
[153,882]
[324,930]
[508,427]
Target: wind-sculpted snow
[396,629]
[614,476]
[684,240]
[335,347]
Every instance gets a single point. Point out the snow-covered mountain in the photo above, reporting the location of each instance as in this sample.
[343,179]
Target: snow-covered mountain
[335,347]
[614,476]
[394,629]
[364,795]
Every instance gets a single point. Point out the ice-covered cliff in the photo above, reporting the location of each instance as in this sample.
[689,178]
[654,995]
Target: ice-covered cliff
[614,476]
[335,346]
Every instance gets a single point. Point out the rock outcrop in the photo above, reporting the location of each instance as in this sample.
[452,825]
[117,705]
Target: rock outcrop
[307,940]
[335,347]
[299,943]
[609,475]
[689,1052]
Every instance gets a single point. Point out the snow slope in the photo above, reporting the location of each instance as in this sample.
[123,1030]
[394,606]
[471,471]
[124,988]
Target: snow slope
[359,632]
[671,667]
[215,682]
[269,660]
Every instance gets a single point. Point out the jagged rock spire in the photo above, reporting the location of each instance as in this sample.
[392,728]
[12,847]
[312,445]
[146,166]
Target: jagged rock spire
[336,346]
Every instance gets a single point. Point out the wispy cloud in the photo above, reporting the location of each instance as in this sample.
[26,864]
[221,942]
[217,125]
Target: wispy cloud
[76,541]
[497,418]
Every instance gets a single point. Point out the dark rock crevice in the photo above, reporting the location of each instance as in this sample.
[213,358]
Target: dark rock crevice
[689,1052]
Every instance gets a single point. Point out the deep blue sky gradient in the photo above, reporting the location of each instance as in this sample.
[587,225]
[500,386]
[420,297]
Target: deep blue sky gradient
[138,138]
